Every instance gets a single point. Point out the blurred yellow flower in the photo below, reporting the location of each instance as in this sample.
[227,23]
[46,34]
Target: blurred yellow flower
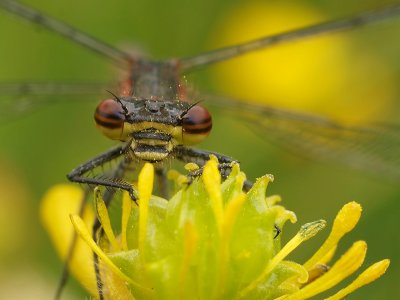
[322,75]
[209,241]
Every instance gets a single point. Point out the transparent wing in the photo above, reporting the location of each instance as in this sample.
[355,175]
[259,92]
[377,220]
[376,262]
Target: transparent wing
[19,98]
[63,29]
[217,55]
[374,148]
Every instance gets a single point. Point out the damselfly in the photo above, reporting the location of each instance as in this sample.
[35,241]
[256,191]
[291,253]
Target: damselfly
[155,119]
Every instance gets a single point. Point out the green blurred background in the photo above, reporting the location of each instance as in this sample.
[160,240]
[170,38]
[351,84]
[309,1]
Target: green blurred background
[38,149]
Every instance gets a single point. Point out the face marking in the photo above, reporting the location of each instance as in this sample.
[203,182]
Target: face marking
[151,153]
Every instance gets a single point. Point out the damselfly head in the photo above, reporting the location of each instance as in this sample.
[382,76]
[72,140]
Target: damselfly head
[153,127]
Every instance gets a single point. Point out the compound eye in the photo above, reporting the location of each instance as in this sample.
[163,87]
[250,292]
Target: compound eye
[197,124]
[110,117]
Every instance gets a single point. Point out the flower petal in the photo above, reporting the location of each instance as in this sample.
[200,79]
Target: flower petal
[343,268]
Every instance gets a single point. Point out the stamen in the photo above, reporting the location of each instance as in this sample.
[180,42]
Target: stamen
[177,177]
[104,218]
[317,271]
[212,182]
[328,256]
[191,167]
[126,212]
[345,221]
[145,189]
[371,274]
[343,268]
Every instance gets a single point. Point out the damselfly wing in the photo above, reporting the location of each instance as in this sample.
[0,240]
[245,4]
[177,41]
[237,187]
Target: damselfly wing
[374,149]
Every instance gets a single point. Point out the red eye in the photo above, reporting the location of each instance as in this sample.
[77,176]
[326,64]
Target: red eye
[197,124]
[109,117]
[109,114]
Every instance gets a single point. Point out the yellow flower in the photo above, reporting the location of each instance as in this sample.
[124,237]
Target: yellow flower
[209,241]
[294,75]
